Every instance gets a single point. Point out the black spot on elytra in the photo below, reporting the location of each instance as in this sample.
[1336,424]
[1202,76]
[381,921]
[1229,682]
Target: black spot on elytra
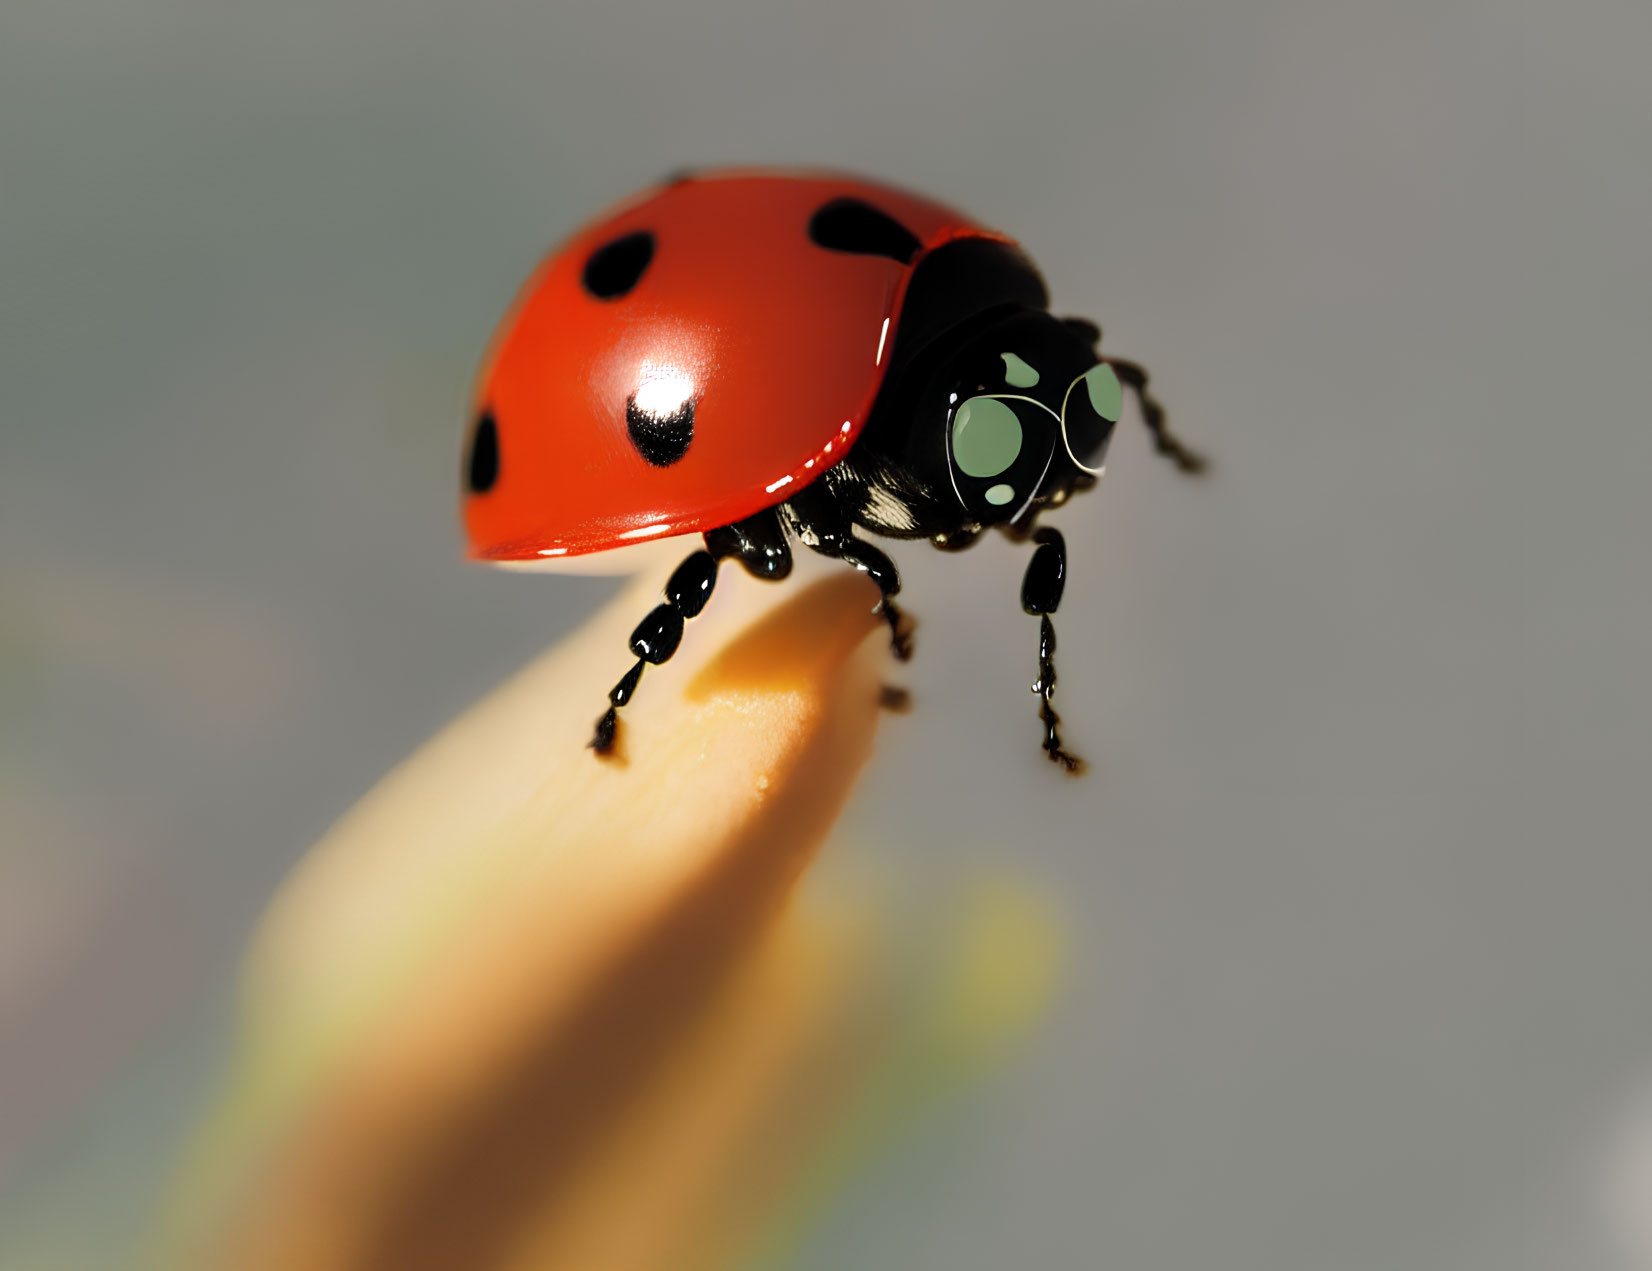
[482,467]
[853,225]
[660,439]
[616,267]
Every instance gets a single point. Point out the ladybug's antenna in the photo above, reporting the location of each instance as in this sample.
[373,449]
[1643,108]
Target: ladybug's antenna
[1169,445]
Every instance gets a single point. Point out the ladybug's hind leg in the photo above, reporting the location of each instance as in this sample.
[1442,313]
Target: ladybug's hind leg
[657,636]
[758,543]
[1041,589]
[822,525]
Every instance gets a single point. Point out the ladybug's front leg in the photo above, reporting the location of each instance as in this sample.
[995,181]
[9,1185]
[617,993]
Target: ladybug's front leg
[758,543]
[1041,595]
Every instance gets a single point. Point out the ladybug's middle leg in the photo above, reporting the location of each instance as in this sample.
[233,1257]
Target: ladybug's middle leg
[1041,589]
[822,525]
[758,543]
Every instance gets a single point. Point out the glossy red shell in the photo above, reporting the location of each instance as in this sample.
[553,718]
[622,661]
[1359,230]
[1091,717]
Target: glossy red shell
[780,343]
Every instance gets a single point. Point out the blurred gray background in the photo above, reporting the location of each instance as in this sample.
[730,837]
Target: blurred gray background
[1360,884]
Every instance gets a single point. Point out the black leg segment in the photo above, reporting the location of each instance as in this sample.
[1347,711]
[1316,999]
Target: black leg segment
[824,527]
[1041,590]
[758,543]
[657,636]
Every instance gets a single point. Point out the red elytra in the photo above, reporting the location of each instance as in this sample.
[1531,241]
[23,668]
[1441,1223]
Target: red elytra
[778,344]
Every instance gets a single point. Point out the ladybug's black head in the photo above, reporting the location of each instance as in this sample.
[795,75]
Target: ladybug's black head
[1027,410]
[1011,410]
[990,407]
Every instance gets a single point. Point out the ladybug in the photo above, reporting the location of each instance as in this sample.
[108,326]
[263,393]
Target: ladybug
[767,357]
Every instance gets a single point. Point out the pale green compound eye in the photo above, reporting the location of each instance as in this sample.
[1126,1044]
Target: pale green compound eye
[1000,494]
[986,437]
[1105,394]
[1017,372]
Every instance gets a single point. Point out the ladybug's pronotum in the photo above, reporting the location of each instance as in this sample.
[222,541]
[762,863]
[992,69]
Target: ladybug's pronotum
[765,358]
